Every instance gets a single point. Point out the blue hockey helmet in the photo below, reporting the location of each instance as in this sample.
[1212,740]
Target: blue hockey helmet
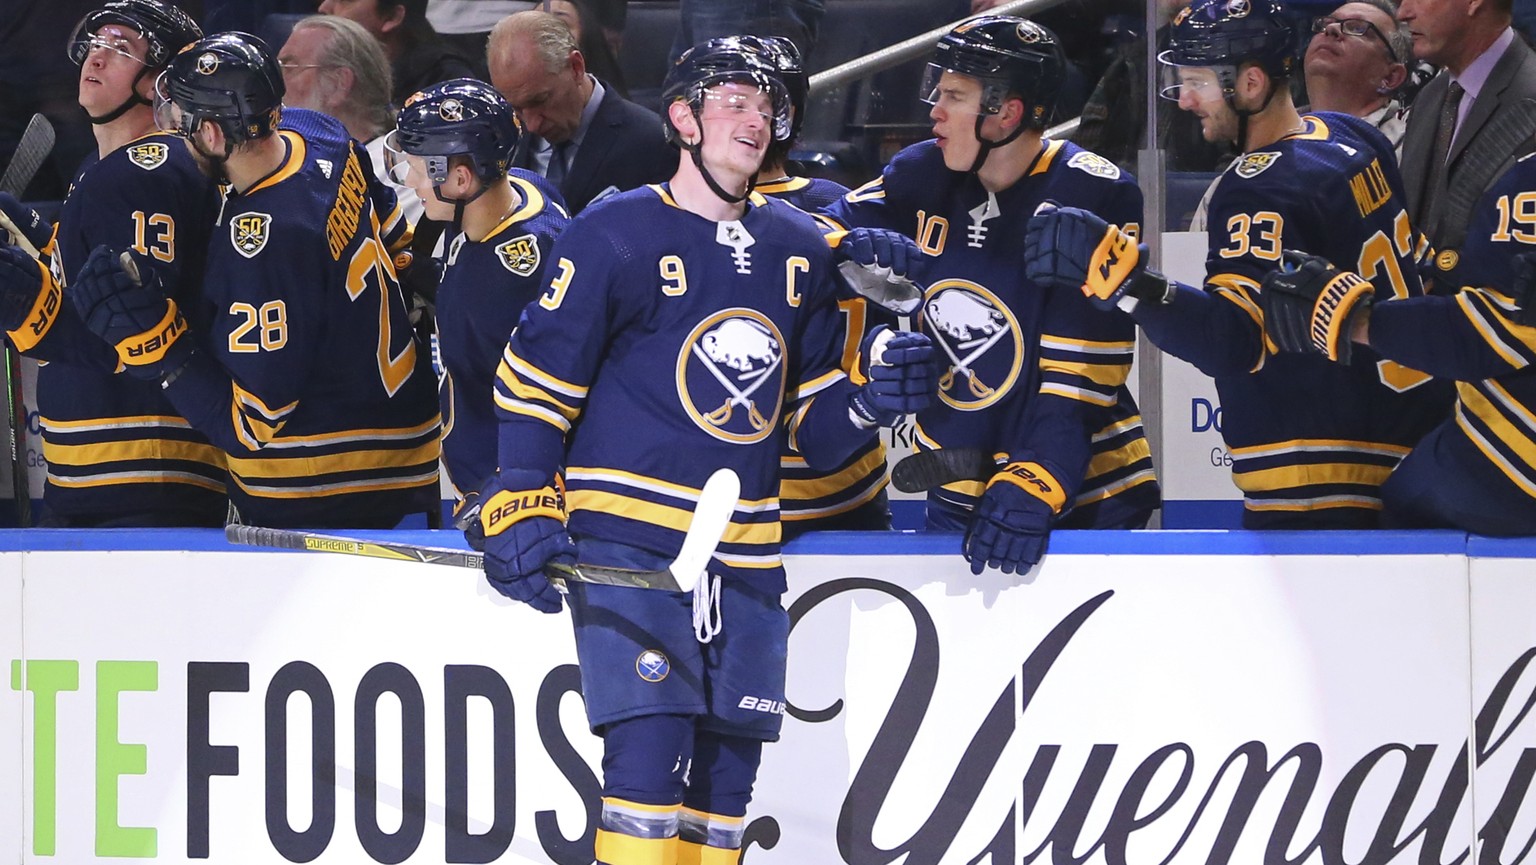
[1225,34]
[231,79]
[1010,57]
[725,60]
[165,28]
[461,117]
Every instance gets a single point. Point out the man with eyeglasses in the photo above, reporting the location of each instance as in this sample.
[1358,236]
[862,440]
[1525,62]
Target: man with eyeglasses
[118,453]
[1472,121]
[1311,441]
[1356,63]
[300,363]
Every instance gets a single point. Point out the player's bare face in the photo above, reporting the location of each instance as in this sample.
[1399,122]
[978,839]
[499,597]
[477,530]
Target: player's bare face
[1200,93]
[114,60]
[956,105]
[738,124]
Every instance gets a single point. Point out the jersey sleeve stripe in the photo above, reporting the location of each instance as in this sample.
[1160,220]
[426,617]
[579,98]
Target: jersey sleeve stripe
[1080,394]
[1478,308]
[550,382]
[537,412]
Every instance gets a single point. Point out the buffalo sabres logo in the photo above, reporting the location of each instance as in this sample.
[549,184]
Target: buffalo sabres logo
[652,665]
[451,110]
[1031,33]
[980,337]
[520,255]
[208,63]
[729,371]
[249,231]
[1238,8]
[1254,164]
[149,155]
[1094,164]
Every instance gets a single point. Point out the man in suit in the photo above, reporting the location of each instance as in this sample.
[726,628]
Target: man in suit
[584,137]
[1479,112]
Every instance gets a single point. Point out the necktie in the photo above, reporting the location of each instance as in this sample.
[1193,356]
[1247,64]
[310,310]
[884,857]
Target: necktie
[558,155]
[1445,132]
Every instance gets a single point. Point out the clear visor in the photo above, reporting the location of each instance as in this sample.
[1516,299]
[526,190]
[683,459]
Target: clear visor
[953,92]
[1199,82]
[109,38]
[168,117]
[395,164]
[737,99]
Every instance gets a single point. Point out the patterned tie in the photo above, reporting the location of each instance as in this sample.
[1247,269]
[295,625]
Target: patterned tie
[1445,132]
[559,154]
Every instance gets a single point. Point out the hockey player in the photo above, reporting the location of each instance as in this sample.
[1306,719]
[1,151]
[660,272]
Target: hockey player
[307,374]
[1311,442]
[452,144]
[118,454]
[1034,375]
[1476,471]
[684,326]
[851,496]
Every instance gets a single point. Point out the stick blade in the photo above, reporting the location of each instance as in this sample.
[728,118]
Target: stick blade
[711,517]
[926,470]
[35,145]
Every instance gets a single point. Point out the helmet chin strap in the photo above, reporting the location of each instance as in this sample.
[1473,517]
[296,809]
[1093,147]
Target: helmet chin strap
[987,145]
[133,101]
[695,151]
[1244,113]
[459,204]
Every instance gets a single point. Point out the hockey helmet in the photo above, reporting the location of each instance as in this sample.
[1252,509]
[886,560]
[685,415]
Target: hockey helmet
[231,79]
[166,28]
[725,60]
[1223,35]
[461,117]
[1010,57]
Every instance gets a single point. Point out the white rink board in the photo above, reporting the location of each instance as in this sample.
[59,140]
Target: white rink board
[1146,673]
[13,787]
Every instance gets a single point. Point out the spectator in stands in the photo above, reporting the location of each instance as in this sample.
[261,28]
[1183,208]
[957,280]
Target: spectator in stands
[331,64]
[418,57]
[587,140]
[118,454]
[1473,120]
[602,58]
[1355,63]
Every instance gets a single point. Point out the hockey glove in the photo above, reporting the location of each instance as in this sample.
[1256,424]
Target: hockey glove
[127,308]
[1309,305]
[1071,248]
[23,223]
[1523,289]
[1012,524]
[523,518]
[878,264]
[29,298]
[896,376]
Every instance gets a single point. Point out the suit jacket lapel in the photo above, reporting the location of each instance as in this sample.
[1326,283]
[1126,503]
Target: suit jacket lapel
[1488,98]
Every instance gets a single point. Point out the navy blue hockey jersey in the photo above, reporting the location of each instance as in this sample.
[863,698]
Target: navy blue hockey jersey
[317,391]
[485,285]
[1027,370]
[807,496]
[666,346]
[117,451]
[1311,441]
[1474,338]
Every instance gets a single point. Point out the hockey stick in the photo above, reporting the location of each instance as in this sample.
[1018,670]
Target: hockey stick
[717,501]
[925,470]
[35,145]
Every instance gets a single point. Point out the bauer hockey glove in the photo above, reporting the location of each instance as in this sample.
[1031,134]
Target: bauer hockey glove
[28,295]
[23,223]
[126,306]
[1071,248]
[1012,523]
[896,376]
[1310,305]
[523,518]
[878,264]
[1523,289]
